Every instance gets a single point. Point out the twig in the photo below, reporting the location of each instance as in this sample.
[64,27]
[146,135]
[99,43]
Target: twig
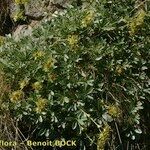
[128,145]
[138,146]
[118,133]
[17,129]
[113,96]
[92,141]
[98,126]
[138,6]
[110,146]
[16,132]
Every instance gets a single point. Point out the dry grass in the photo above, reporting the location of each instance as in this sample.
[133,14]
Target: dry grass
[9,130]
[4,87]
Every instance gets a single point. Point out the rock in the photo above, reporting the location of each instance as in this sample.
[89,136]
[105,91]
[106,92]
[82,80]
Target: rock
[6,24]
[25,30]
[35,11]
[46,7]
[21,31]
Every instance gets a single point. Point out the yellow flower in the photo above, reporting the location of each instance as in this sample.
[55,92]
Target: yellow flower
[119,70]
[21,1]
[19,15]
[48,64]
[73,40]
[1,40]
[16,96]
[114,110]
[37,86]
[103,137]
[51,77]
[23,83]
[40,105]
[38,54]
[88,19]
[136,21]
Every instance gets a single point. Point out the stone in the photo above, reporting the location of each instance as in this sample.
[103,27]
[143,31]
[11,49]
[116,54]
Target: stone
[6,24]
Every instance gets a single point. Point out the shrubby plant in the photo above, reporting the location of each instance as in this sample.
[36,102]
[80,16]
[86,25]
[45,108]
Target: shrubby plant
[19,14]
[83,75]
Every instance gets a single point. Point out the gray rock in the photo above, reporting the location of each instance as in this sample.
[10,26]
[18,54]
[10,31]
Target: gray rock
[22,31]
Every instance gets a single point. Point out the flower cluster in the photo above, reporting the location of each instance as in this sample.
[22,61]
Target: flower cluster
[73,40]
[119,70]
[1,40]
[114,111]
[19,15]
[48,65]
[88,19]
[21,1]
[40,105]
[38,54]
[37,86]
[137,21]
[51,77]
[103,137]
[16,96]
[23,83]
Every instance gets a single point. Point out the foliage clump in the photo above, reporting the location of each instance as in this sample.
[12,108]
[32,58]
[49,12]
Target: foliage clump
[83,75]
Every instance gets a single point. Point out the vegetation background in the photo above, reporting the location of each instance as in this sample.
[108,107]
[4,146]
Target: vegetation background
[75,70]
